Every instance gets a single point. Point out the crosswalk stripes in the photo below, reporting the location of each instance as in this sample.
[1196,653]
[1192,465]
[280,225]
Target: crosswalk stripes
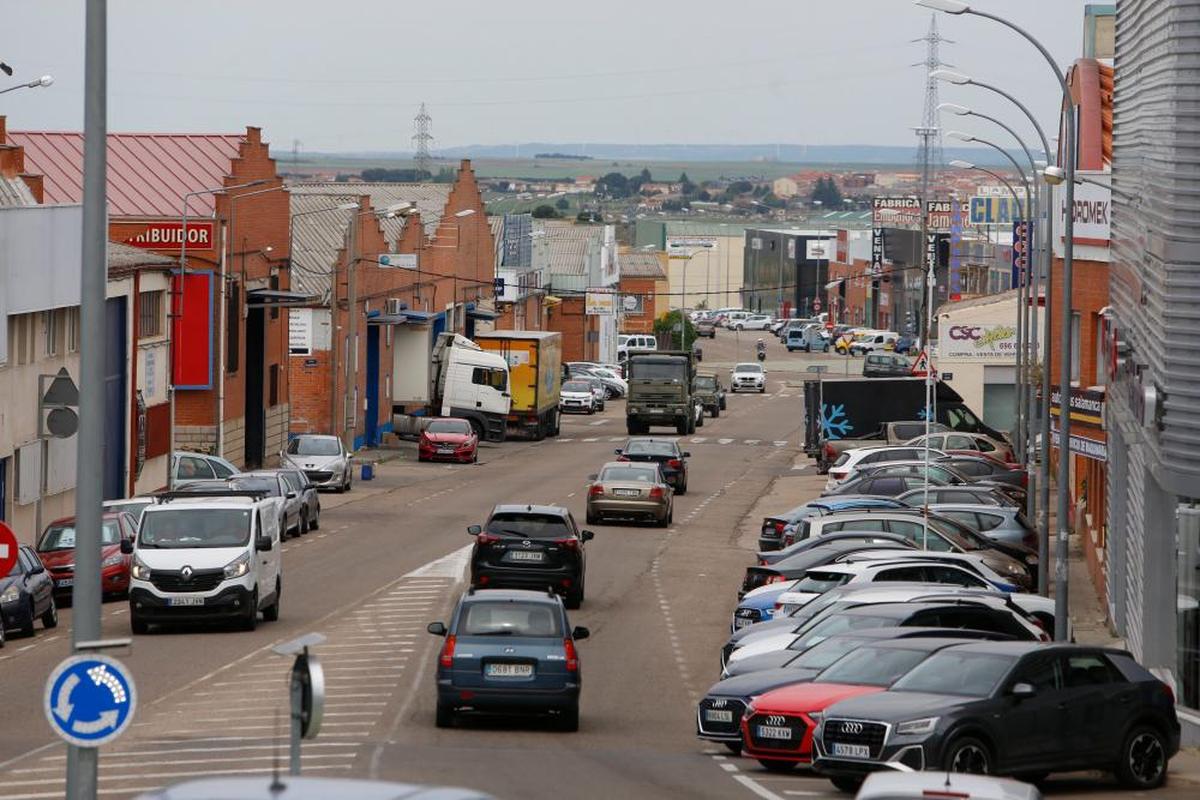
[698,440]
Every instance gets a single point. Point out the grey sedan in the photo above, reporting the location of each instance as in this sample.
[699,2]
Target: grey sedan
[999,523]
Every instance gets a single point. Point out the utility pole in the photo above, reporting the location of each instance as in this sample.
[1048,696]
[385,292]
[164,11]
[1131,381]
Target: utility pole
[83,762]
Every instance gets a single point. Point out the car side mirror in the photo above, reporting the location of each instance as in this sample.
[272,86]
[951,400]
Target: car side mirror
[127,547]
[263,543]
[587,536]
[436,628]
[617,452]
[580,632]
[291,495]
[1023,691]
[687,454]
[38,569]
[474,530]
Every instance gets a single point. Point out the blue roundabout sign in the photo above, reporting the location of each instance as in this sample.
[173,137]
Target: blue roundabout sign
[90,700]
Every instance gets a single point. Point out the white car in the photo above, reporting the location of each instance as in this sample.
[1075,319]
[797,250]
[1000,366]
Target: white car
[856,457]
[908,785]
[322,458]
[133,506]
[576,397]
[754,322]
[872,342]
[616,385]
[749,376]
[200,467]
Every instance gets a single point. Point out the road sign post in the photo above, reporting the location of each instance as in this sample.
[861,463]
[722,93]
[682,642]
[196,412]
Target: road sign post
[90,700]
[306,684]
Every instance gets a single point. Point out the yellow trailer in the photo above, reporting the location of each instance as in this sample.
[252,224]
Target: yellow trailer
[535,375]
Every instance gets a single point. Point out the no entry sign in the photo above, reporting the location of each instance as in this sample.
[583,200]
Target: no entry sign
[8,549]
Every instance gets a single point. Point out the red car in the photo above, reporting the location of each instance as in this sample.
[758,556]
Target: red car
[777,728]
[448,439]
[56,549]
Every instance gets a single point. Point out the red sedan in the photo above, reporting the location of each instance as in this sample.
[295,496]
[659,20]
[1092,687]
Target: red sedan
[448,439]
[56,549]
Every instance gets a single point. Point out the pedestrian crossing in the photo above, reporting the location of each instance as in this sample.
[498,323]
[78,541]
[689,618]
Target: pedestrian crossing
[697,440]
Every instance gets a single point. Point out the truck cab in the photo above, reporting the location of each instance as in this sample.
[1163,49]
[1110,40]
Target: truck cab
[660,392]
[472,384]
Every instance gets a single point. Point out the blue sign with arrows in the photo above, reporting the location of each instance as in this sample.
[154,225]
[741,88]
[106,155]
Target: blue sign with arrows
[90,700]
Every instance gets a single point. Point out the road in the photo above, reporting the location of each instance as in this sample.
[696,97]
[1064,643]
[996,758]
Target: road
[389,558]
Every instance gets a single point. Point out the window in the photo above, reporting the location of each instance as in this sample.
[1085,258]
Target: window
[191,468]
[21,338]
[1041,672]
[1089,670]
[960,443]
[956,577]
[904,575]
[53,331]
[988,521]
[73,330]
[233,327]
[1075,346]
[273,282]
[150,316]
[495,378]
[273,386]
[856,525]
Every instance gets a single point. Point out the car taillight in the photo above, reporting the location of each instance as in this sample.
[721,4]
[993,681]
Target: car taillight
[656,493]
[1169,692]
[572,656]
[570,544]
[447,657]
[596,491]
[779,526]
[830,453]
[622,458]
[837,474]
[484,538]
[775,579]
[675,463]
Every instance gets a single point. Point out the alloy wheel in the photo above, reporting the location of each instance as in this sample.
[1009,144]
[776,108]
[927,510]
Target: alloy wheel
[970,758]
[1146,757]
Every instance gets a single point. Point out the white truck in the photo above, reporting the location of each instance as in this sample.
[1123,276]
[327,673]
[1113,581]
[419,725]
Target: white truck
[449,377]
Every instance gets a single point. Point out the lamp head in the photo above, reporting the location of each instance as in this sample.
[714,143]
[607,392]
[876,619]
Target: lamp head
[466,212]
[1054,175]
[45,80]
[948,6]
[962,137]
[950,76]
[346,207]
[958,163]
[954,108]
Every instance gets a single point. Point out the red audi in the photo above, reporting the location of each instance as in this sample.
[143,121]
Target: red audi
[777,728]
[56,549]
[448,439]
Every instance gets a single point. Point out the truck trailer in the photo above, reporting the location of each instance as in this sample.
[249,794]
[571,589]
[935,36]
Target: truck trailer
[534,361]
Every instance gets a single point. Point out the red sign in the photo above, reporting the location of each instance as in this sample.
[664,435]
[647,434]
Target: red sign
[192,330]
[169,236]
[816,304]
[829,325]
[8,548]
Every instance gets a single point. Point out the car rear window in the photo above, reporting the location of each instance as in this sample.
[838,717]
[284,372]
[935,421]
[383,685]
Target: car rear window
[950,672]
[640,475]
[510,619]
[529,526]
[820,582]
[650,448]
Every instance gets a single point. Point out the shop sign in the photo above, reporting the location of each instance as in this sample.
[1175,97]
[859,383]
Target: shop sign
[1020,253]
[599,303]
[995,210]
[976,342]
[1093,212]
[633,305]
[955,269]
[1087,405]
[169,236]
[140,461]
[843,246]
[876,252]
[896,212]
[1081,445]
[939,214]
[818,249]
[300,331]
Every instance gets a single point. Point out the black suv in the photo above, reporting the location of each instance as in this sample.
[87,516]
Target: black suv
[530,547]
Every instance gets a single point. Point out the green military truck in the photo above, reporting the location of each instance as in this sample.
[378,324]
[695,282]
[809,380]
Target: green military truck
[707,389]
[660,392]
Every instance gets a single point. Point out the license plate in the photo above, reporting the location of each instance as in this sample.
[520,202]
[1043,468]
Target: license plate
[525,555]
[445,450]
[741,622]
[509,670]
[717,715]
[185,601]
[64,582]
[626,492]
[772,732]
[852,750]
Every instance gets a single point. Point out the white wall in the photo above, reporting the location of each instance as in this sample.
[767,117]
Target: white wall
[712,274]
[971,374]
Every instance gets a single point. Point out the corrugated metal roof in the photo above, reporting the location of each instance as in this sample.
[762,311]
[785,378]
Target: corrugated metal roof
[429,198]
[640,265]
[568,245]
[317,236]
[14,192]
[148,173]
[122,257]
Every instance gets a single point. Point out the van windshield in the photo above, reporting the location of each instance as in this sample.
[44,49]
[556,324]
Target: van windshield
[188,528]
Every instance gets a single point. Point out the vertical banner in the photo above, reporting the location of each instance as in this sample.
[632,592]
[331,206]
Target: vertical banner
[192,330]
[876,252]
[956,228]
[1020,253]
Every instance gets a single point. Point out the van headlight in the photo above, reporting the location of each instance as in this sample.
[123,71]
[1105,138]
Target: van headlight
[11,594]
[238,567]
[917,726]
[139,570]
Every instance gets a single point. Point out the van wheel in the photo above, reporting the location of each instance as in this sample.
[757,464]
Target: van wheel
[250,619]
[271,612]
[137,625]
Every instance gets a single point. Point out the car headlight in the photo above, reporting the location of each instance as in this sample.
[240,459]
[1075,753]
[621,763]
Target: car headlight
[1031,560]
[112,561]
[238,567]
[139,570]
[10,595]
[917,726]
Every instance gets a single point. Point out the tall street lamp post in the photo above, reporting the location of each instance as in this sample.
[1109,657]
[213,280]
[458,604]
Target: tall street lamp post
[1054,175]
[37,83]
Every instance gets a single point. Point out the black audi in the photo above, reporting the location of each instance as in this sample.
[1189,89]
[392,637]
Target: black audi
[1009,708]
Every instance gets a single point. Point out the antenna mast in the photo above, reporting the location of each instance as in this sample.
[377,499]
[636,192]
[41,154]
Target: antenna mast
[421,140]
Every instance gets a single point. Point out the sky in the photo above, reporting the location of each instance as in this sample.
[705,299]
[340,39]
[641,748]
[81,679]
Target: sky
[350,75]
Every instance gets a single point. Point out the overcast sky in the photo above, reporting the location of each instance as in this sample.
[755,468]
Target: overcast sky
[350,75]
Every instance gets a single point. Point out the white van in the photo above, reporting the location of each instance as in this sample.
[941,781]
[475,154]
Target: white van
[206,555]
[876,341]
[635,342]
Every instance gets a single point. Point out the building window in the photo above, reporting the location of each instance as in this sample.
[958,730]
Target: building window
[273,386]
[233,327]
[21,336]
[73,330]
[150,314]
[52,331]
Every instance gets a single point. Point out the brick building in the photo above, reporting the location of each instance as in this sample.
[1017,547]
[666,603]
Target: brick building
[228,335]
[643,280]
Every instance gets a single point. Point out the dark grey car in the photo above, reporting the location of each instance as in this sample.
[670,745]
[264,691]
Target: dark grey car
[310,499]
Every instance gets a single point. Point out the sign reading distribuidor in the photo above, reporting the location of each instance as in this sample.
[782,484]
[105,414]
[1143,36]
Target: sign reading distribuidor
[169,235]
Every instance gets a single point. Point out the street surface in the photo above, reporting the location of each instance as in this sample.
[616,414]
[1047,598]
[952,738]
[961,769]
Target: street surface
[390,557]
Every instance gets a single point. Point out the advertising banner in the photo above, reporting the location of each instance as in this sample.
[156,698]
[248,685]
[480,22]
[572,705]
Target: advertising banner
[995,210]
[843,246]
[939,214]
[819,249]
[955,271]
[398,260]
[165,235]
[976,342]
[1093,212]
[896,212]
[876,251]
[1020,253]
[192,326]
[599,303]
[633,305]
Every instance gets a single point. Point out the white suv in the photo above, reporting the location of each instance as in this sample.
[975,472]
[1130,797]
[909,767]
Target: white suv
[755,322]
[748,376]
[856,457]
[206,555]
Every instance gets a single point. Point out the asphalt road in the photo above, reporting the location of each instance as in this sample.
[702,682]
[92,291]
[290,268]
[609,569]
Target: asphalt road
[389,558]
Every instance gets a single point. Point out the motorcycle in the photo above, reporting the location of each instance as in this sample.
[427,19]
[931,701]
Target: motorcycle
[762,350]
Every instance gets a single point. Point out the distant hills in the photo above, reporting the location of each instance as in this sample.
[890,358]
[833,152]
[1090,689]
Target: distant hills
[865,154]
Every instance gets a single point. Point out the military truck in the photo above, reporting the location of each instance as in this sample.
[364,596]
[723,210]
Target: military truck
[660,391]
[709,393]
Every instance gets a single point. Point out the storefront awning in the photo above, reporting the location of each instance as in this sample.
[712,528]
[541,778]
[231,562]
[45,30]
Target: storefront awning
[387,319]
[482,314]
[421,316]
[278,297]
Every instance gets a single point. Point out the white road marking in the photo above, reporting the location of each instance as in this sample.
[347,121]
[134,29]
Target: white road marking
[780,443]
[757,788]
[599,422]
[724,441]
[752,441]
[592,439]
[699,439]
[448,566]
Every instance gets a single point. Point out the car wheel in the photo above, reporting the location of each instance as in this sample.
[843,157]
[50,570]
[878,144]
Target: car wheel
[592,519]
[27,627]
[349,483]
[50,618]
[568,719]
[762,389]
[315,522]
[249,620]
[303,524]
[445,715]
[774,765]
[137,625]
[682,490]
[475,457]
[968,754]
[284,530]
[271,612]
[1,634]
[722,405]
[716,412]
[846,783]
[591,410]
[700,420]
[574,598]
[733,747]
[1142,763]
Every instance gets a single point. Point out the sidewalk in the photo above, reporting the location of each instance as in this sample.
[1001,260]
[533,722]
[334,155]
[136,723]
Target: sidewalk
[1088,616]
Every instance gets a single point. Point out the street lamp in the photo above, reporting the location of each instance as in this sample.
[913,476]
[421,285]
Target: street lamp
[45,80]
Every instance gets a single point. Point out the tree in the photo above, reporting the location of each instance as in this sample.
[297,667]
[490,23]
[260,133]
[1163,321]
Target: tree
[686,187]
[668,324]
[826,192]
[613,185]
[546,212]
[635,183]
[562,204]
[704,196]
